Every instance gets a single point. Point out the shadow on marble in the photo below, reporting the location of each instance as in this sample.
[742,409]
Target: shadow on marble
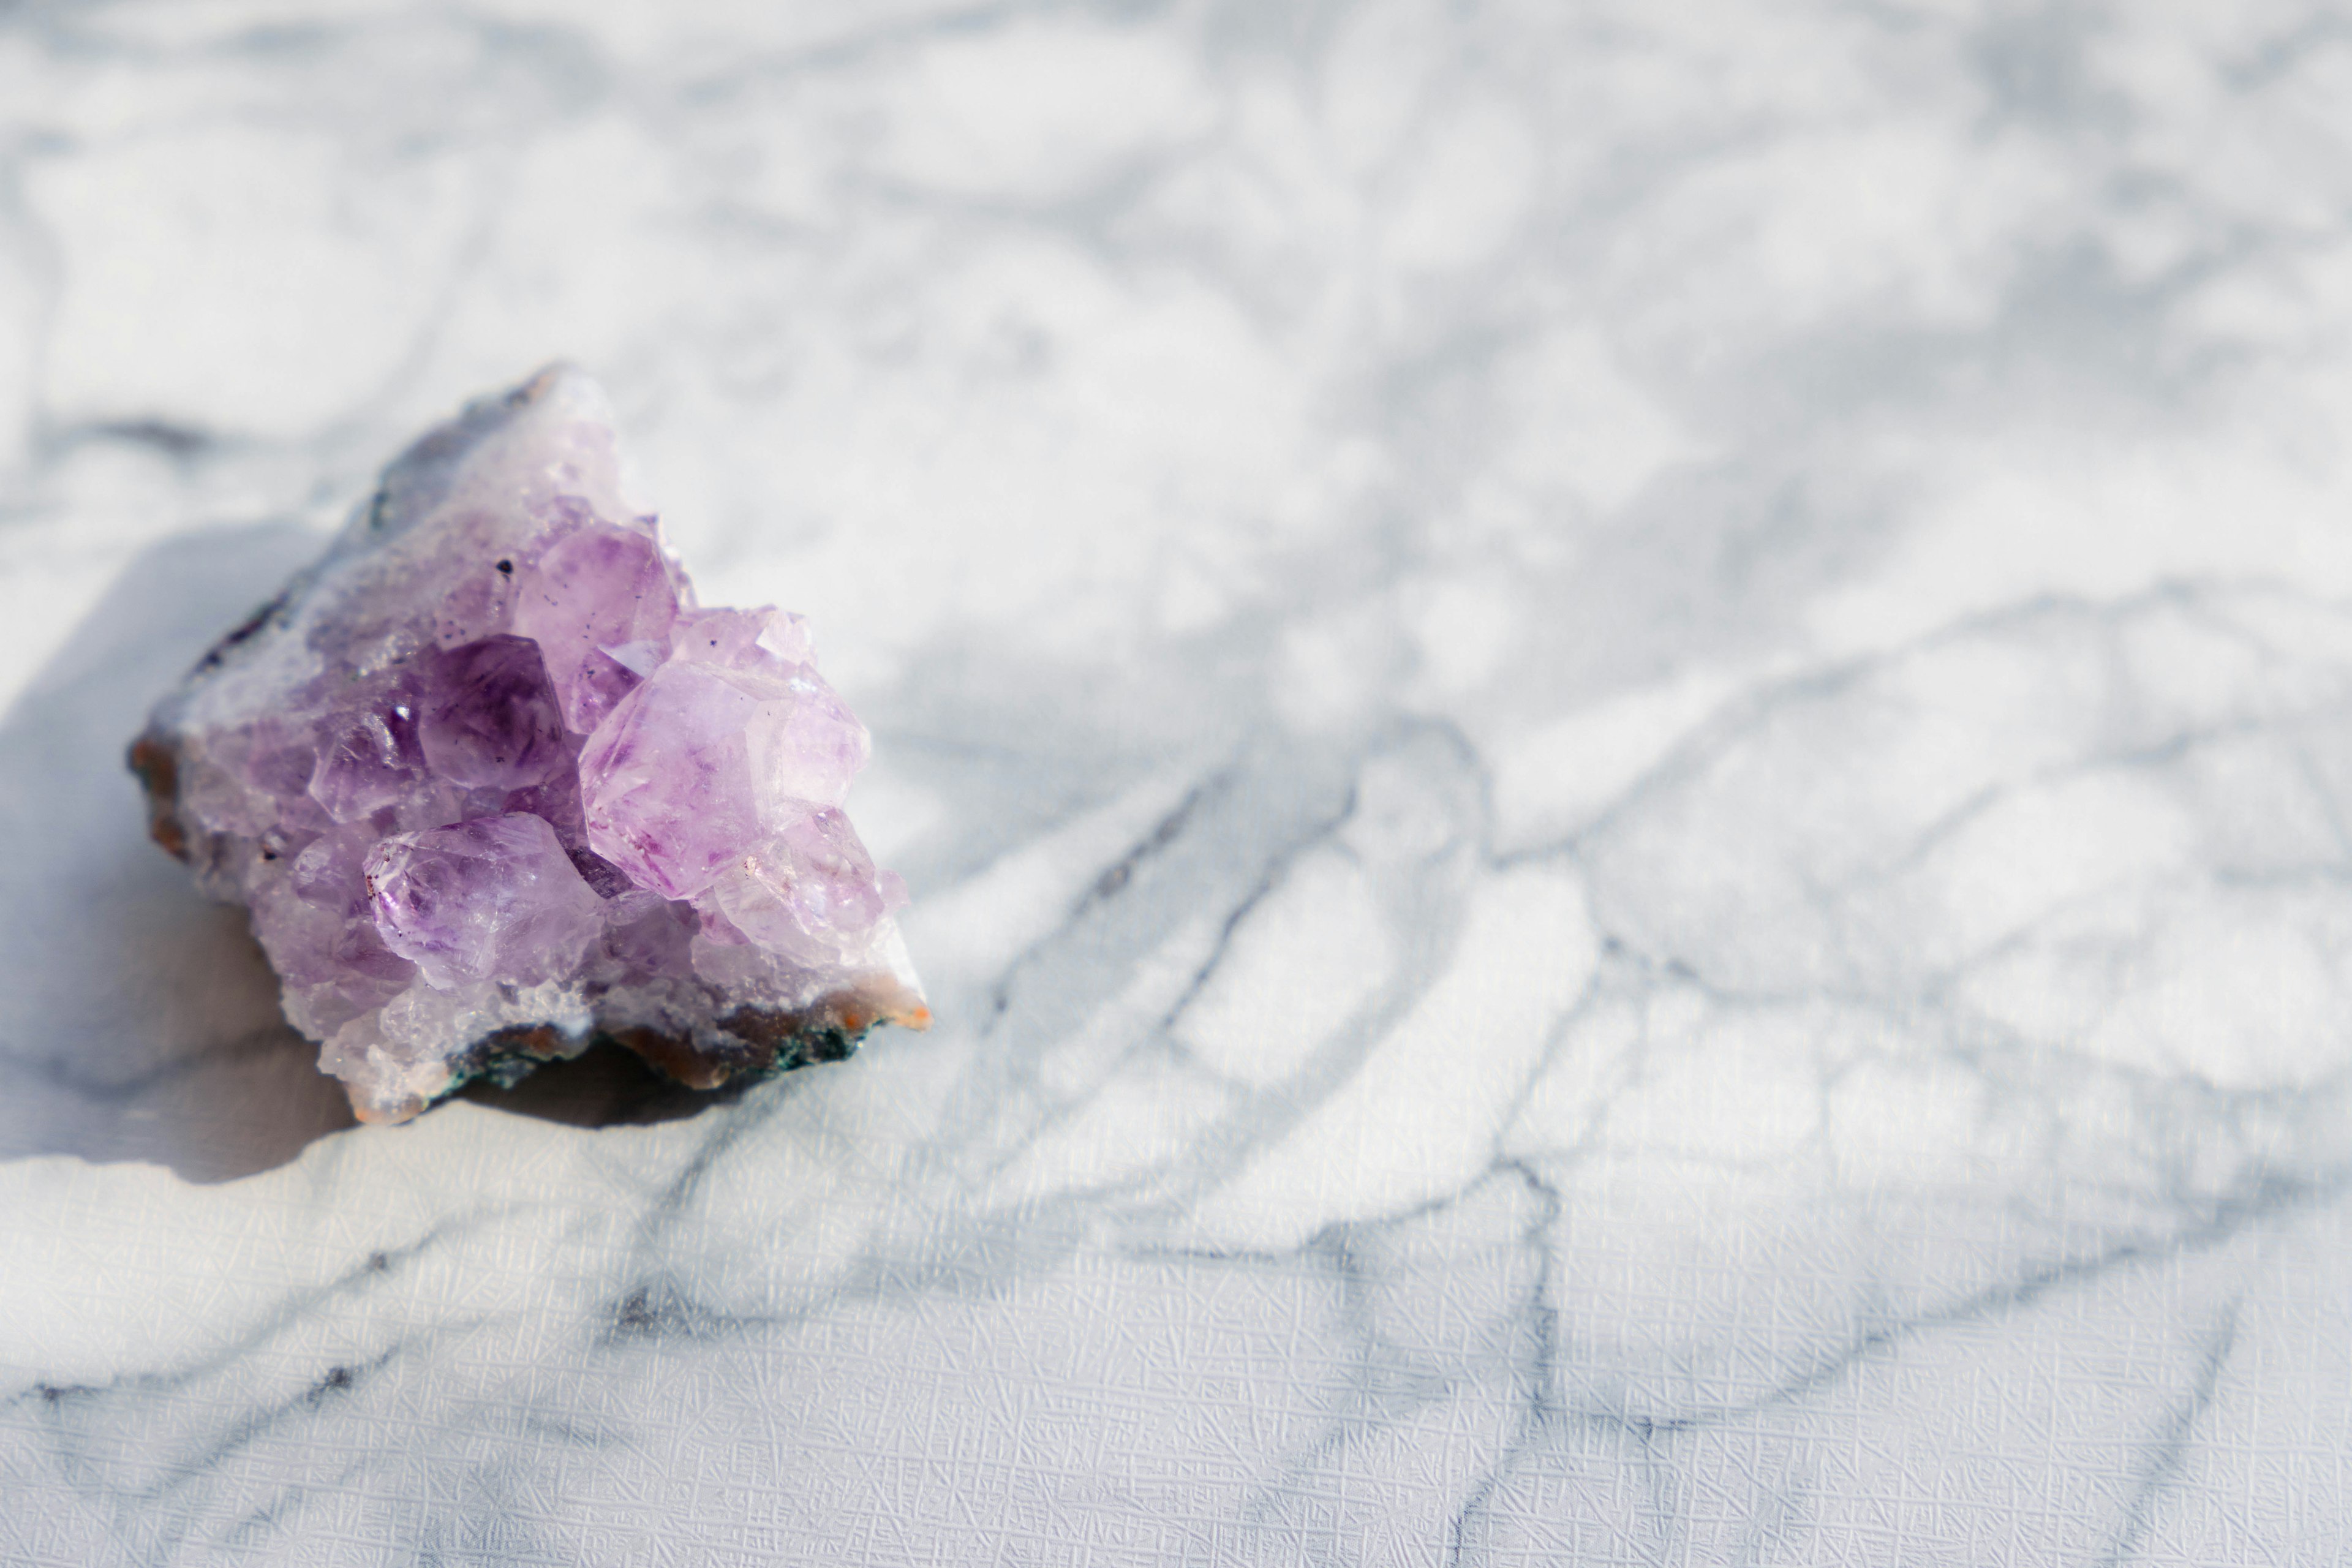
[140,1021]
[606,1086]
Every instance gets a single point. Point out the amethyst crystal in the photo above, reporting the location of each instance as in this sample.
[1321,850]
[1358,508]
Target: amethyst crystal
[494,786]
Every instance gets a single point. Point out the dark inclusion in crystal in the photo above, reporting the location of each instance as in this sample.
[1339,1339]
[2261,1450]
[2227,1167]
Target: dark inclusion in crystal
[493,787]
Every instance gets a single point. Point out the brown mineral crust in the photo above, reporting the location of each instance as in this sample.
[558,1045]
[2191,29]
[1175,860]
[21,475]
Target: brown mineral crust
[676,1057]
[159,771]
[766,1040]
[539,1040]
[772,1039]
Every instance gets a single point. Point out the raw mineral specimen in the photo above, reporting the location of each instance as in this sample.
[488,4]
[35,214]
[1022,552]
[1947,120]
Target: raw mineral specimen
[493,785]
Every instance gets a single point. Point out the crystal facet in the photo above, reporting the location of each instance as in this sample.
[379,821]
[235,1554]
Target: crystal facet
[493,785]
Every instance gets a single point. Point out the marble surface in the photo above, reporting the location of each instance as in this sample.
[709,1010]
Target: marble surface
[1623,731]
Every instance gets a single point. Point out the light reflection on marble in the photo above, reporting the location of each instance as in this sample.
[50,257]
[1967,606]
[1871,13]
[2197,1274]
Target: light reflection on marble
[1625,735]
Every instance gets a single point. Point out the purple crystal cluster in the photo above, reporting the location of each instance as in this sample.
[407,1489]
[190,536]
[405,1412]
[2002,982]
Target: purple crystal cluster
[494,785]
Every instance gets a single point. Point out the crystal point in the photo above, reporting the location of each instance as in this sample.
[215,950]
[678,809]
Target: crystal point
[494,722]
[493,785]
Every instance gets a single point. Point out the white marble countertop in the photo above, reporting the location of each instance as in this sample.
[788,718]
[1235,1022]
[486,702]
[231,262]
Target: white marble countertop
[1624,732]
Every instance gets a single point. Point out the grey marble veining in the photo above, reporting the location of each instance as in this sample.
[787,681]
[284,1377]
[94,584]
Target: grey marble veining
[1625,735]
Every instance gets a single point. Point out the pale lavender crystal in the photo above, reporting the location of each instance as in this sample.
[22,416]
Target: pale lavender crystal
[496,897]
[369,756]
[809,892]
[494,785]
[766,638]
[599,602]
[703,762]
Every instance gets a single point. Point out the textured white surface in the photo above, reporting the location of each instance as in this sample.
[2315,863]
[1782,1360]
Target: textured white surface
[1625,736]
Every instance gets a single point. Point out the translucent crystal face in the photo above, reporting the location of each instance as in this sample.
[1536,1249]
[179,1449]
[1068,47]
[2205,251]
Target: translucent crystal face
[666,786]
[369,757]
[705,762]
[493,721]
[493,899]
[489,771]
[765,638]
[598,600]
[809,892]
